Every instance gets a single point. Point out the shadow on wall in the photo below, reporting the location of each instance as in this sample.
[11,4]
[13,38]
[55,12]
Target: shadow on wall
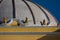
[58,25]
[50,37]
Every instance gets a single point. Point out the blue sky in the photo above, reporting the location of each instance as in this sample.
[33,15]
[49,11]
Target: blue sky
[52,5]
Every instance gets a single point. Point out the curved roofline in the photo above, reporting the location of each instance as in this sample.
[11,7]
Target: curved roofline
[30,11]
[41,9]
[44,11]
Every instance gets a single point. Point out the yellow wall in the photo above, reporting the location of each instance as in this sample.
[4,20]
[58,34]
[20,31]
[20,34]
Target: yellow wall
[29,29]
[29,37]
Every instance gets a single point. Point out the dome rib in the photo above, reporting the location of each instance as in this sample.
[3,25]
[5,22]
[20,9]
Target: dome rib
[41,10]
[13,4]
[30,11]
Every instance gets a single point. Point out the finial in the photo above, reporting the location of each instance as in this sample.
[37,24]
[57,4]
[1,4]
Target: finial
[26,20]
[5,19]
[44,22]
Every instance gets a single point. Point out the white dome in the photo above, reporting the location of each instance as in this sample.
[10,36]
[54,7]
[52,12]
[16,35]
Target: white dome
[21,9]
